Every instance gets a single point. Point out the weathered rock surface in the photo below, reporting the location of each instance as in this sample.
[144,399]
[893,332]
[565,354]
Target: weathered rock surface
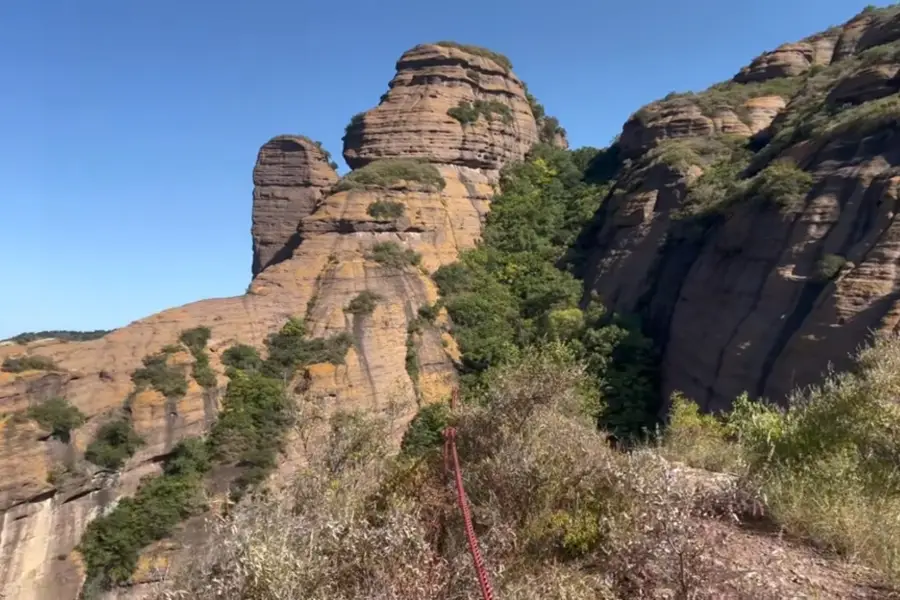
[291,175]
[311,258]
[411,121]
[737,299]
[683,117]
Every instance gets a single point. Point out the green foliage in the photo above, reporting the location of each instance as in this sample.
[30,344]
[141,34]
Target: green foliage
[355,120]
[425,431]
[509,293]
[114,443]
[168,380]
[721,184]
[390,172]
[412,356]
[392,255]
[61,335]
[243,357]
[112,543]
[428,313]
[27,363]
[250,429]
[498,58]
[57,415]
[469,112]
[290,349]
[782,183]
[195,339]
[327,154]
[386,210]
[698,439]
[828,267]
[363,303]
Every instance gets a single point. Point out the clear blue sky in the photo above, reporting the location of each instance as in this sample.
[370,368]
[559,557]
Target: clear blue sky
[130,127]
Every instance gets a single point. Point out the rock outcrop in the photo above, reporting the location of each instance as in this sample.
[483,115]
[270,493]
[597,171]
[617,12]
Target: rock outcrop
[750,292]
[292,174]
[313,254]
[413,119]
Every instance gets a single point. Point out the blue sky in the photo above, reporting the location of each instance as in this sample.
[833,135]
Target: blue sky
[130,128]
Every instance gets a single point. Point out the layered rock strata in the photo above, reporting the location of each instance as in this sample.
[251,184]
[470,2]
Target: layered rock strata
[754,296]
[313,254]
[412,120]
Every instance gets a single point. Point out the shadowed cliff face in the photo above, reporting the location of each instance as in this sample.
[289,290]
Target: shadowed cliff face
[746,291]
[314,252]
[291,175]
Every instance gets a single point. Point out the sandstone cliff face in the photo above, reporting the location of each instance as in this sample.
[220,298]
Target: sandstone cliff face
[412,119]
[753,296]
[291,175]
[312,256]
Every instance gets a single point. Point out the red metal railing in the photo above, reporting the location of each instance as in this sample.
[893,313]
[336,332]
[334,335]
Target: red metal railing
[450,455]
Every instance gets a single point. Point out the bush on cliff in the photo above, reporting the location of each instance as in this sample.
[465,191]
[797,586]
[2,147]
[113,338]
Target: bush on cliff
[394,256]
[469,112]
[57,415]
[390,172]
[165,378]
[386,210]
[113,444]
[19,364]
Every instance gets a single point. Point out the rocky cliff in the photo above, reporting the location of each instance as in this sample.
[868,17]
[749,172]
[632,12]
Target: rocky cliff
[422,188]
[753,227]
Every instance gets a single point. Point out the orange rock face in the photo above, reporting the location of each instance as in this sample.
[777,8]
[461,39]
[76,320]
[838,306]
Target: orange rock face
[412,119]
[312,256]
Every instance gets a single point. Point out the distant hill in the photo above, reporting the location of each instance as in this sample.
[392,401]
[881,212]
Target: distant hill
[62,335]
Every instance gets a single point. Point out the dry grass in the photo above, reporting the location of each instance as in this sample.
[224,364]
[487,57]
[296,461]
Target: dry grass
[828,469]
[559,514]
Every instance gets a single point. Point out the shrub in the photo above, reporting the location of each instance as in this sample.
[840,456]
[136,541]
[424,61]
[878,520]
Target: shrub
[782,183]
[412,356]
[390,172]
[355,120]
[28,363]
[468,112]
[697,439]
[112,543]
[290,348]
[114,443]
[243,357]
[392,255]
[498,58]
[195,339]
[426,431]
[57,415]
[428,312]
[386,210]
[828,267]
[363,303]
[250,429]
[166,379]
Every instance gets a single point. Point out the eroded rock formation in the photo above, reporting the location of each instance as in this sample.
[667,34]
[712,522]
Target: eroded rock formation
[412,119]
[755,296]
[291,175]
[312,256]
